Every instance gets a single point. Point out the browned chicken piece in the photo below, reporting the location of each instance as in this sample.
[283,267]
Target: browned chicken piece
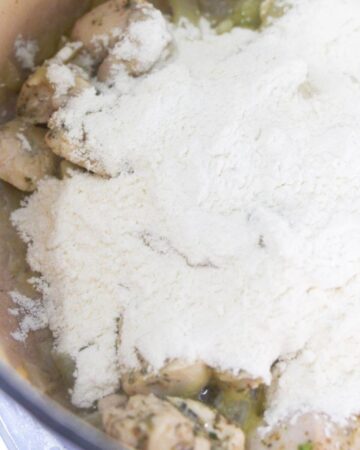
[66,168]
[59,142]
[39,97]
[226,435]
[68,52]
[309,432]
[148,423]
[177,378]
[102,27]
[35,98]
[147,40]
[24,156]
[57,137]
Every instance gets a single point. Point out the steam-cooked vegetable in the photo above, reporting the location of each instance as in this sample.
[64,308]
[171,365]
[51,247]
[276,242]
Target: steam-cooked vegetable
[24,156]
[177,378]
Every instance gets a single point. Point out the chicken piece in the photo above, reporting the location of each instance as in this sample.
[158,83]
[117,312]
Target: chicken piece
[102,27]
[77,55]
[68,52]
[228,436]
[49,88]
[352,434]
[35,98]
[24,155]
[309,432]
[66,168]
[60,143]
[148,423]
[112,401]
[147,40]
[243,380]
[177,378]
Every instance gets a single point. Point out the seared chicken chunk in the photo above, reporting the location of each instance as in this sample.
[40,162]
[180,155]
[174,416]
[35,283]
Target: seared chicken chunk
[241,381]
[102,27]
[146,41]
[226,435]
[60,143]
[51,84]
[24,156]
[66,168]
[48,88]
[148,423]
[177,378]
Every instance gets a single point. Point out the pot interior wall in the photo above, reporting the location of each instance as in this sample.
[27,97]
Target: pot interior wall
[44,21]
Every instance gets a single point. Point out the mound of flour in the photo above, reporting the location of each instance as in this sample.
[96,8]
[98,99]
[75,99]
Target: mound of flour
[231,231]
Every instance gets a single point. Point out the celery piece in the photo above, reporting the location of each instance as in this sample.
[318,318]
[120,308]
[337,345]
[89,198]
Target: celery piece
[225,26]
[65,365]
[244,407]
[187,9]
[272,9]
[247,14]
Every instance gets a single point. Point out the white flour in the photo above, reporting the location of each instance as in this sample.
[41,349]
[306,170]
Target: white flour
[25,144]
[232,233]
[32,312]
[145,40]
[62,77]
[25,52]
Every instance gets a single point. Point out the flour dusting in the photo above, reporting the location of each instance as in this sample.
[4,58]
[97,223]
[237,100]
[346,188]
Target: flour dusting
[32,313]
[230,230]
[61,77]
[25,52]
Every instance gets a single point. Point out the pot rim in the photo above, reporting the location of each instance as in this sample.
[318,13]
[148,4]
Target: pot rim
[53,416]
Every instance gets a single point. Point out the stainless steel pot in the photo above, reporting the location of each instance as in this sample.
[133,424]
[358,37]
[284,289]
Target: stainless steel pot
[27,371]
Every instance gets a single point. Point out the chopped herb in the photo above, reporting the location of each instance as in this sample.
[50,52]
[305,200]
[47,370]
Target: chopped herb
[189,413]
[213,436]
[306,446]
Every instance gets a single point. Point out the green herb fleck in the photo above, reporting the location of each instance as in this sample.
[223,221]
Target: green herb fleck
[213,436]
[306,446]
